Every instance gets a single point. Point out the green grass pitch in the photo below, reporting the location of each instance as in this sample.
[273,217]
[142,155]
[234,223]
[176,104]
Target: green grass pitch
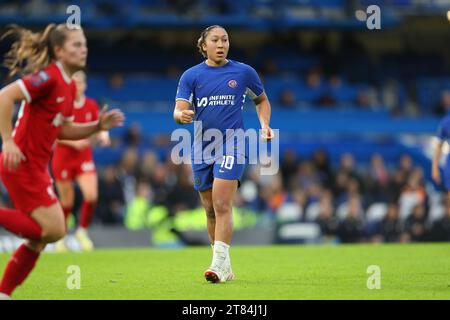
[408,271]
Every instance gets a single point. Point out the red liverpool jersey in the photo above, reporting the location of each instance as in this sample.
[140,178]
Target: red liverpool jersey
[85,112]
[50,95]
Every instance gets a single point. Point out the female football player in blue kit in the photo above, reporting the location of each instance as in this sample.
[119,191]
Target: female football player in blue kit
[443,135]
[216,89]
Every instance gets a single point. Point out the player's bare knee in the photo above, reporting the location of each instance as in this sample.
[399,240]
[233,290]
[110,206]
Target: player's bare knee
[209,208]
[53,234]
[222,206]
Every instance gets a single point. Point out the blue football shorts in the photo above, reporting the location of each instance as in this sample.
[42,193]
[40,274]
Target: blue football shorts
[226,167]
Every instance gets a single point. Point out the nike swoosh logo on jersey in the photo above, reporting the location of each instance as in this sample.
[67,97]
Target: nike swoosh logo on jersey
[60,99]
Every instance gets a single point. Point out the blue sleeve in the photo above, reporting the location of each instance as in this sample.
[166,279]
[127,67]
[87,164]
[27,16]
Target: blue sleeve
[442,132]
[185,87]
[254,86]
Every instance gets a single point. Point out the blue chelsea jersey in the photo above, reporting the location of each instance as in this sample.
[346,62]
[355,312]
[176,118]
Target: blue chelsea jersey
[217,94]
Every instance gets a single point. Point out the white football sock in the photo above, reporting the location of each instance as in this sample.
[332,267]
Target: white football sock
[220,254]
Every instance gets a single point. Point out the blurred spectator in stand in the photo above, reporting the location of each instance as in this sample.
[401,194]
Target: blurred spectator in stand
[147,166]
[274,194]
[116,81]
[323,168]
[351,228]
[128,171]
[313,81]
[182,196]
[343,174]
[335,82]
[137,211]
[300,198]
[377,179]
[405,166]
[326,100]
[415,229]
[314,191]
[270,68]
[347,165]
[288,168]
[395,186]
[293,208]
[161,184]
[326,219]
[111,202]
[251,192]
[133,135]
[287,99]
[412,194]
[352,189]
[327,97]
[440,230]
[306,175]
[443,107]
[399,178]
[362,99]
[390,95]
[391,227]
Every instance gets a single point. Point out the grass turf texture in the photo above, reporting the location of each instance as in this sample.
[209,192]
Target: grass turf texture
[410,271]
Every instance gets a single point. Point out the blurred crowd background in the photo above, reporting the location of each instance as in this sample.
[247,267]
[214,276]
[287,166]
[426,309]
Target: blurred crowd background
[356,108]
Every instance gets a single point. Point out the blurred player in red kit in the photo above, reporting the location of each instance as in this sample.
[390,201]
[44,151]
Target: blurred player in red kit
[73,161]
[47,60]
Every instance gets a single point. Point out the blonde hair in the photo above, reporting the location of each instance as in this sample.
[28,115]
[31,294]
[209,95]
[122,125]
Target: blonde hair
[202,39]
[33,51]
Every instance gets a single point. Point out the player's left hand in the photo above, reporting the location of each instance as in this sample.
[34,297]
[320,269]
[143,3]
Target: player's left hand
[110,119]
[267,134]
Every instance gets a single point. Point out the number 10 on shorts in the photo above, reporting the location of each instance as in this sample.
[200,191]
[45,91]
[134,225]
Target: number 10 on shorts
[227,162]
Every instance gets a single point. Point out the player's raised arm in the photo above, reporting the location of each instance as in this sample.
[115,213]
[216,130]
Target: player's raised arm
[8,96]
[182,113]
[107,120]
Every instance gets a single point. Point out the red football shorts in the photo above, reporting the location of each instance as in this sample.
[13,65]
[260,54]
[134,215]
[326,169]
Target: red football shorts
[28,187]
[66,167]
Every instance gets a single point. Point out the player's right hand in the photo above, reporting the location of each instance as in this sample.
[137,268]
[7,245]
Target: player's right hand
[12,156]
[186,116]
[110,119]
[436,176]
